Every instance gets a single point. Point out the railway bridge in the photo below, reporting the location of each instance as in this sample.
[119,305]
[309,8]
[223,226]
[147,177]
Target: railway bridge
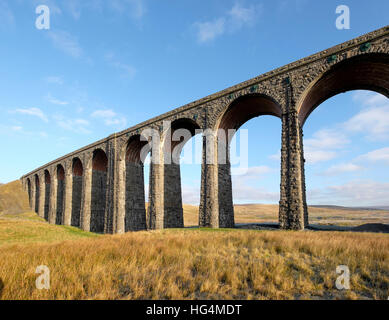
[100,187]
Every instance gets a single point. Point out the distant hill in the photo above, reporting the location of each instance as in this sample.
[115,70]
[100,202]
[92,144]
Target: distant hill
[13,199]
[370,208]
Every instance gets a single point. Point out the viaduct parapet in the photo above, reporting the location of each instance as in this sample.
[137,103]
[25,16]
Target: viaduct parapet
[100,188]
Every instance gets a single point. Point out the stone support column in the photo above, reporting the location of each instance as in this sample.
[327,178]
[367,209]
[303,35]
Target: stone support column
[68,194]
[86,196]
[135,211]
[33,194]
[42,196]
[216,206]
[173,215]
[111,199]
[292,201]
[53,197]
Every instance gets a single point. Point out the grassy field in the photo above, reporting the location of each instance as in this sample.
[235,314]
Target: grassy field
[187,263]
[263,213]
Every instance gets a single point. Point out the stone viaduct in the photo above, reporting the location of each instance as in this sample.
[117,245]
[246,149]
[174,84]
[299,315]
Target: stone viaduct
[100,188]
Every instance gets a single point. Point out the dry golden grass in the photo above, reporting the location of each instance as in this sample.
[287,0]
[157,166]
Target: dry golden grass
[188,263]
[200,264]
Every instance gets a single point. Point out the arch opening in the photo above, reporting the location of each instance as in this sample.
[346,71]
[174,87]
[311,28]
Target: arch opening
[176,139]
[99,188]
[47,194]
[78,172]
[240,177]
[135,208]
[345,166]
[60,194]
[364,72]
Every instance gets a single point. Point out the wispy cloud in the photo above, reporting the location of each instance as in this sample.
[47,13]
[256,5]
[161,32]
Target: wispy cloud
[373,119]
[360,192]
[54,80]
[379,155]
[126,69]
[74,7]
[19,130]
[244,192]
[65,42]
[207,31]
[341,169]
[136,9]
[236,18]
[77,125]
[35,112]
[53,100]
[323,145]
[110,118]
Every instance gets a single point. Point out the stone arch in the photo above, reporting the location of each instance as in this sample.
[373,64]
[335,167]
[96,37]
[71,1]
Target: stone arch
[60,193]
[37,192]
[77,177]
[99,188]
[47,194]
[246,107]
[174,141]
[363,72]
[238,112]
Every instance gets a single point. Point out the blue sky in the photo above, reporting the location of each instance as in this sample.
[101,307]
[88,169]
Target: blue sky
[106,65]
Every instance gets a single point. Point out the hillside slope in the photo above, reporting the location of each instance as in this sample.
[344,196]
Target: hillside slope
[13,199]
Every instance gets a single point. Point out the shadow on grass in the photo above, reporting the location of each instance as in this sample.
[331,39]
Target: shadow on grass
[1,287]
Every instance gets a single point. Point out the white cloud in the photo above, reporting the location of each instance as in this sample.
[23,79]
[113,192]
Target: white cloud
[136,9]
[104,114]
[110,118]
[53,100]
[75,125]
[276,156]
[374,122]
[65,42]
[54,80]
[315,156]
[321,147]
[326,139]
[342,168]
[17,129]
[235,19]
[377,155]
[244,192]
[373,119]
[244,16]
[369,98]
[353,193]
[36,112]
[207,31]
[127,69]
